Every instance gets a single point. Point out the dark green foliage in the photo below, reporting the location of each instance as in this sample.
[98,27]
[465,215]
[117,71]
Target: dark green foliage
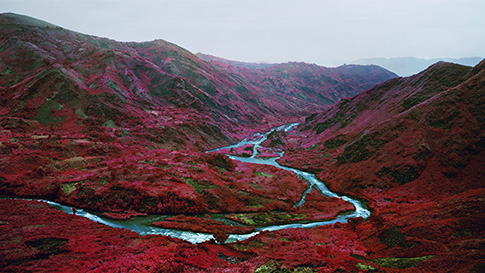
[344,116]
[393,237]
[44,112]
[401,263]
[404,174]
[440,123]
[276,138]
[361,149]
[48,246]
[199,186]
[322,126]
[432,82]
[335,142]
[412,101]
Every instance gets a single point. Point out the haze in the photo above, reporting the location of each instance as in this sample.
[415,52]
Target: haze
[315,31]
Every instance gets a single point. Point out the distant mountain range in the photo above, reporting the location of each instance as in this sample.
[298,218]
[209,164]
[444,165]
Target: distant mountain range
[408,66]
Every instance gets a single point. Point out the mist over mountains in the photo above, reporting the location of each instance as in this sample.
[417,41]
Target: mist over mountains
[407,66]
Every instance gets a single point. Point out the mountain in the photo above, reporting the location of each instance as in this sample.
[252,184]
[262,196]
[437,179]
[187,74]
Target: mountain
[308,82]
[62,78]
[106,111]
[414,149]
[211,58]
[408,66]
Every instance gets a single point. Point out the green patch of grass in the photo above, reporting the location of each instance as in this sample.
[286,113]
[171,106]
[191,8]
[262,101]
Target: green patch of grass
[221,170]
[114,87]
[92,84]
[256,186]
[6,71]
[49,187]
[401,263]
[255,206]
[268,218]
[103,181]
[313,147]
[252,244]
[439,123]
[366,267]
[393,237]
[263,174]
[44,112]
[198,187]
[48,246]
[67,188]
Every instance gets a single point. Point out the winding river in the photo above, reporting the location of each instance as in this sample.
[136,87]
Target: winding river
[142,226]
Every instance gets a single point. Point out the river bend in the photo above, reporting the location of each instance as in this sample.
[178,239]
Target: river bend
[142,226]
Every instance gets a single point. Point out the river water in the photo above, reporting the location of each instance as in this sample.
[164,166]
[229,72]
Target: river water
[142,225]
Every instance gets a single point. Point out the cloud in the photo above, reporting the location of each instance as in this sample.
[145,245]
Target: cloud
[324,32]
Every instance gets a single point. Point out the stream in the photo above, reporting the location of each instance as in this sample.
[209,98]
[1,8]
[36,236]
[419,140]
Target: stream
[142,225]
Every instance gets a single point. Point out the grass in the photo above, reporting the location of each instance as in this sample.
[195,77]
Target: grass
[199,188]
[263,174]
[67,188]
[44,112]
[400,263]
[268,218]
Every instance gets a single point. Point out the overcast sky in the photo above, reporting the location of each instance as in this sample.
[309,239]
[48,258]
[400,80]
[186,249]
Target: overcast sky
[315,31]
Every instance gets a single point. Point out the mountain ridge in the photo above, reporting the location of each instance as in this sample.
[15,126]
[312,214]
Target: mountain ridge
[147,75]
[407,66]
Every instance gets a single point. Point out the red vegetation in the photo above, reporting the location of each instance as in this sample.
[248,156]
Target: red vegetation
[413,148]
[119,128]
[36,237]
[241,151]
[318,207]
[132,180]
[268,152]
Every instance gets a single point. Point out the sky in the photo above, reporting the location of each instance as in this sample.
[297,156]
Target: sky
[324,32]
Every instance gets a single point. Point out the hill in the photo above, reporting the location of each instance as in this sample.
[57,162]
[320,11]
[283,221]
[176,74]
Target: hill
[65,79]
[79,112]
[413,148]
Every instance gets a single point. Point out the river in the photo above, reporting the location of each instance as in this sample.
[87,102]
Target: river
[142,225]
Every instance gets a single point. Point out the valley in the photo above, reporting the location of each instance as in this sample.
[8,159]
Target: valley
[224,166]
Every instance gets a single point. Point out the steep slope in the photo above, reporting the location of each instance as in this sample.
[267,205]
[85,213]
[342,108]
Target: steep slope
[53,77]
[56,77]
[414,148]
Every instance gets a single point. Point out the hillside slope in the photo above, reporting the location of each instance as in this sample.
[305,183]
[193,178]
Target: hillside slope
[310,83]
[414,149]
[112,126]
[62,78]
